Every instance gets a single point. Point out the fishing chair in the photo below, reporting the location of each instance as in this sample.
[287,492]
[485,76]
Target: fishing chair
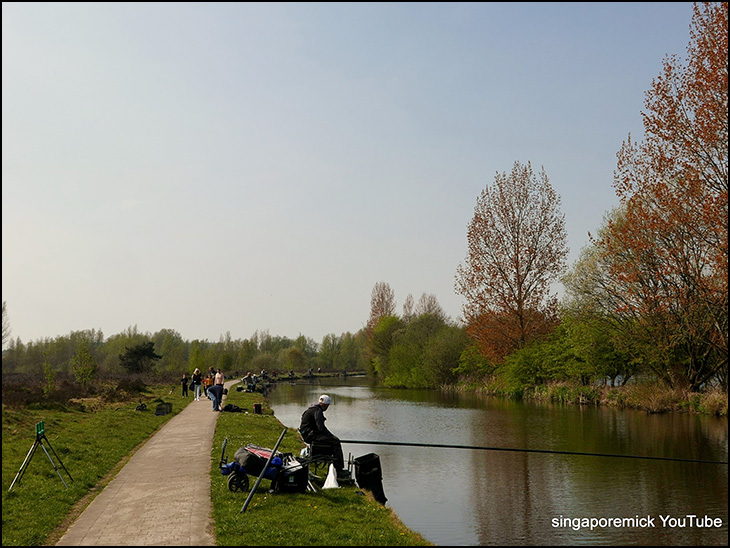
[320,454]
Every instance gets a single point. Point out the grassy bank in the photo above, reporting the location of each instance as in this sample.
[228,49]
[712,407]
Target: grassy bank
[93,441]
[647,396]
[96,439]
[346,516]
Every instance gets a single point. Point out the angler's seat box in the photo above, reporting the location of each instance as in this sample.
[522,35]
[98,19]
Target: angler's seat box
[369,475]
[367,468]
[293,478]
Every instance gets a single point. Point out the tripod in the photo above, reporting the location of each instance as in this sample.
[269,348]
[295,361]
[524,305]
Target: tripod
[40,435]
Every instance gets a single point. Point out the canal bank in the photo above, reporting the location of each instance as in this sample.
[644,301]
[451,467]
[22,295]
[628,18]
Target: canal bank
[649,396]
[346,516]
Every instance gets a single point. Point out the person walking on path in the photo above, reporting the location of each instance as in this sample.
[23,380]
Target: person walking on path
[197,380]
[161,497]
[184,383]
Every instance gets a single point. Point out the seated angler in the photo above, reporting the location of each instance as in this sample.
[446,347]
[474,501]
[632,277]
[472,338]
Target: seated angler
[313,429]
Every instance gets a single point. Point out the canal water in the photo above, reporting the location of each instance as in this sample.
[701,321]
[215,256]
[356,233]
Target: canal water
[463,497]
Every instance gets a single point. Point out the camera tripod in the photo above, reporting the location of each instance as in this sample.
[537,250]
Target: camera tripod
[40,435]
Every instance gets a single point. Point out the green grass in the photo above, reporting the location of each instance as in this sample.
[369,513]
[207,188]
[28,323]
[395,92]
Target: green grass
[94,444]
[346,516]
[89,444]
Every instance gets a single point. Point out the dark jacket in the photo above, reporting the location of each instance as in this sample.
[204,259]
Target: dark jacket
[217,391]
[312,424]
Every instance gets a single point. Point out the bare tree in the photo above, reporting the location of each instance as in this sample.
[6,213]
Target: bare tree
[408,308]
[429,304]
[382,303]
[6,323]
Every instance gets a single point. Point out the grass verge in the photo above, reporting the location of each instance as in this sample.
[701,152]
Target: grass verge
[92,444]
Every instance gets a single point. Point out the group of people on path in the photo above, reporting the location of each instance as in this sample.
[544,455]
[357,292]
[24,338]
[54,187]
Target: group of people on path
[211,386]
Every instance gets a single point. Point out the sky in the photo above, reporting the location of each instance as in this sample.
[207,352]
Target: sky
[228,168]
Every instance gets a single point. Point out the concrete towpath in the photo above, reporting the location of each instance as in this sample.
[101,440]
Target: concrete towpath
[161,497]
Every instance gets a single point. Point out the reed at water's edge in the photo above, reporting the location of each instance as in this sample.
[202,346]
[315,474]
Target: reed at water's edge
[648,396]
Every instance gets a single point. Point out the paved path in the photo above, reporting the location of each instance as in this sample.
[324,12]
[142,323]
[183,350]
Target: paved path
[161,497]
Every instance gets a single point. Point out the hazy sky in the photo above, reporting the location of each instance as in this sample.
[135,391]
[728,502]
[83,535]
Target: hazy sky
[214,168]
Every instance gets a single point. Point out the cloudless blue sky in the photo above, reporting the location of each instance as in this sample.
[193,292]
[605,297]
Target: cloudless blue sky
[214,168]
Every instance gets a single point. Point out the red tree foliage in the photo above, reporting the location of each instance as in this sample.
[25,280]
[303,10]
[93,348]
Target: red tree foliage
[667,251]
[516,249]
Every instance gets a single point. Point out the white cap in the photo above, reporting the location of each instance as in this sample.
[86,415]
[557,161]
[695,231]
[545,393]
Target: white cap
[325,399]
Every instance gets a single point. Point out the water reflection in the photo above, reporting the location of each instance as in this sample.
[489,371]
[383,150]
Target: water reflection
[468,497]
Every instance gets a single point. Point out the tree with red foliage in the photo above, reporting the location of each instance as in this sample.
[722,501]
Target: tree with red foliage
[667,251]
[516,249]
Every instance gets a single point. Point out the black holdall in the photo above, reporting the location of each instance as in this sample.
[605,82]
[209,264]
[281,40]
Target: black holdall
[292,478]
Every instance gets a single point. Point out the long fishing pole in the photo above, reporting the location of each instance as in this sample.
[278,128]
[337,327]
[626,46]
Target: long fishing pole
[513,449]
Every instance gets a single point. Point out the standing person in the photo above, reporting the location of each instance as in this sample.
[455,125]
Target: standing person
[219,377]
[185,382]
[216,393]
[197,379]
[312,429]
[208,381]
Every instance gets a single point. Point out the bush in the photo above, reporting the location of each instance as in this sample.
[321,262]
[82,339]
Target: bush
[616,397]
[472,365]
[132,385]
[713,402]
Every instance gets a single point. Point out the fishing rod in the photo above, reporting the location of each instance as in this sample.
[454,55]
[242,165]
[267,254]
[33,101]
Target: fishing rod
[554,452]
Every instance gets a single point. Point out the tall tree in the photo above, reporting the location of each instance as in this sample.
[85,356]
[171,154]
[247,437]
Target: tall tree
[6,323]
[429,304]
[139,358]
[667,253]
[516,249]
[382,303]
[84,365]
[328,351]
[173,349]
[380,342]
[408,308]
[351,355]
[295,359]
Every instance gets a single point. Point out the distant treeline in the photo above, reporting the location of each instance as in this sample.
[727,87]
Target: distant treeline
[89,349]
[425,350]
[415,351]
